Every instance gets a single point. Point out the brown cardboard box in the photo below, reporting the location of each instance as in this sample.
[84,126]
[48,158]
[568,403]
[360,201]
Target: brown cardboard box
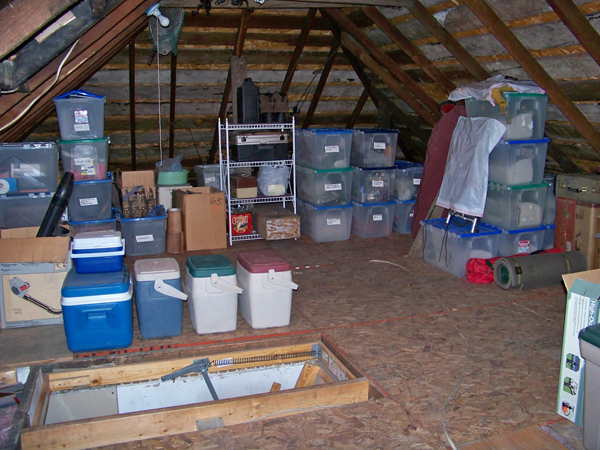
[273,222]
[204,217]
[137,206]
[19,245]
[244,186]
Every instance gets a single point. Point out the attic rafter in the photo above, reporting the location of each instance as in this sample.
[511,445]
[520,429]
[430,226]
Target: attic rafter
[306,27]
[384,59]
[358,109]
[407,47]
[522,56]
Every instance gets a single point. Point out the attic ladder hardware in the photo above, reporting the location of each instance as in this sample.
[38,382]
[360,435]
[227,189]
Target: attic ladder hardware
[199,365]
[474,220]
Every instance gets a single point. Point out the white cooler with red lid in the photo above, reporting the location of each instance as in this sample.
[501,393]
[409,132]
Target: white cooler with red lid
[266,278]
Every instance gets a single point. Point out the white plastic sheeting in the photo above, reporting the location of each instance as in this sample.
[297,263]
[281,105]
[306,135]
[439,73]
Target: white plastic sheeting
[482,90]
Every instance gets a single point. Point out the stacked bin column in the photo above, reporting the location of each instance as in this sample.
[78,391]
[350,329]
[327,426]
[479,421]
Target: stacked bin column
[406,186]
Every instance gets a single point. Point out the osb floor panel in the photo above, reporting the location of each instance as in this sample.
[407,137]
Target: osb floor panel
[402,324]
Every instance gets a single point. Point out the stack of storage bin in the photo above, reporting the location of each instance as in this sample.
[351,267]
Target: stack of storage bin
[406,186]
[549,220]
[372,158]
[324,183]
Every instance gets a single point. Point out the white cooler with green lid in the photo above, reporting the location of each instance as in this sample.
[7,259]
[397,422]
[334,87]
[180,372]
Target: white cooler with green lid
[589,341]
[211,283]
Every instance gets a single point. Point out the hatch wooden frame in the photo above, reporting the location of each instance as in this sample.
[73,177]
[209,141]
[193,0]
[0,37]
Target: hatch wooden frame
[340,383]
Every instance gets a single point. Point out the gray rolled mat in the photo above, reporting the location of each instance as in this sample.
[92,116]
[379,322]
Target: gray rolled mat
[537,271]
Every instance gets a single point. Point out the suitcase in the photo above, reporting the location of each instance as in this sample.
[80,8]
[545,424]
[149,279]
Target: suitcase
[577,223]
[579,186]
[260,147]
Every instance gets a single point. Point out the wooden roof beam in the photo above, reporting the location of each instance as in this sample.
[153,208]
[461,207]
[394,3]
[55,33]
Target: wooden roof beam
[306,27]
[358,109]
[384,59]
[521,55]
[407,47]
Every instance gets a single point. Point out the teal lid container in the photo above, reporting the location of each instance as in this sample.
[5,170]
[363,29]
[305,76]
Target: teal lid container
[203,266]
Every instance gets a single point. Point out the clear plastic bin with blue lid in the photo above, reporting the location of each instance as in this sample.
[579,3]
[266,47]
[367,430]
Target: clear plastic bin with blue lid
[515,207]
[91,200]
[521,242]
[403,216]
[324,187]
[408,179]
[373,147]
[28,167]
[516,163]
[92,225]
[325,223]
[80,115]
[145,235]
[370,220]
[373,185]
[323,148]
[87,159]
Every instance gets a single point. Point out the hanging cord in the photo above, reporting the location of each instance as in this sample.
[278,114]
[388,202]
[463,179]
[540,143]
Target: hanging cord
[158,84]
[35,100]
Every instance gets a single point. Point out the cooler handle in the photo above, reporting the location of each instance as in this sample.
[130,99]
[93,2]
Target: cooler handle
[164,288]
[223,285]
[280,281]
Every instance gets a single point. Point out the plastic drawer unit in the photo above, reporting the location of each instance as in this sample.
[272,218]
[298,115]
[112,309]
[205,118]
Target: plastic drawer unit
[87,159]
[323,148]
[373,185]
[373,220]
[28,167]
[524,114]
[515,163]
[91,200]
[97,310]
[266,278]
[145,235]
[324,187]
[260,147]
[97,252]
[212,285]
[80,115]
[92,225]
[158,297]
[407,180]
[325,223]
[27,210]
[373,148]
[515,207]
[403,216]
[519,242]
[450,246]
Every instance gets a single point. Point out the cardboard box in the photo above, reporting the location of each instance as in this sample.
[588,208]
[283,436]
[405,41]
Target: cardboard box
[204,217]
[135,207]
[244,186]
[274,222]
[241,223]
[36,267]
[582,311]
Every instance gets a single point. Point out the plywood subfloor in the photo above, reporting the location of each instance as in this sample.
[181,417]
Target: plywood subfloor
[399,324]
[530,438]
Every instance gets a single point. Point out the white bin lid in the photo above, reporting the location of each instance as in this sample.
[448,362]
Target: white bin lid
[97,240]
[150,269]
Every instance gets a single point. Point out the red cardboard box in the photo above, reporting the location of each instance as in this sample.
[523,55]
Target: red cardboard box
[241,223]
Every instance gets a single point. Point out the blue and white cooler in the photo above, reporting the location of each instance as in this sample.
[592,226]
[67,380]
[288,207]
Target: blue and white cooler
[212,286]
[98,251]
[158,297]
[97,310]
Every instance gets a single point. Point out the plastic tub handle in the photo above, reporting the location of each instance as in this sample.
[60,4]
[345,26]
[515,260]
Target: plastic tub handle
[220,283]
[164,288]
[280,281]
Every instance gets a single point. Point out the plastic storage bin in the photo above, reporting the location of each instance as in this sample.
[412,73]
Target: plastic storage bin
[80,115]
[515,207]
[18,211]
[87,159]
[91,200]
[589,343]
[550,208]
[97,310]
[515,163]
[97,252]
[266,278]
[403,216]
[158,297]
[373,148]
[525,114]
[145,235]
[28,167]
[324,187]
[212,285]
[323,148]
[449,247]
[93,225]
[549,237]
[408,180]
[517,242]
[325,223]
[208,175]
[373,220]
[373,185]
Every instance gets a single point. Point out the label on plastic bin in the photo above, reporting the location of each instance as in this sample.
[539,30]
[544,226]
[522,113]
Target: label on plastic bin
[332,149]
[379,145]
[334,221]
[378,183]
[210,179]
[82,161]
[333,187]
[416,181]
[377,217]
[86,165]
[144,238]
[88,201]
[524,246]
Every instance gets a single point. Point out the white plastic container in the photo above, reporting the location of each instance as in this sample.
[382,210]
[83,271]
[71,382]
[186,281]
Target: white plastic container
[213,293]
[266,278]
[521,242]
[408,180]
[373,148]
[449,247]
[323,148]
[525,114]
[373,219]
[373,185]
[403,216]
[98,251]
[324,187]
[515,163]
[325,223]
[515,207]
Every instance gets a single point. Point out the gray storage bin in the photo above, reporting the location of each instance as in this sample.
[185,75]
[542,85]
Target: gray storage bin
[323,148]
[80,115]
[87,159]
[373,148]
[325,223]
[403,216]
[19,211]
[91,200]
[145,235]
[373,185]
[28,167]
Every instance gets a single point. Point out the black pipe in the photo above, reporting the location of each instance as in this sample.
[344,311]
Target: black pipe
[57,206]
